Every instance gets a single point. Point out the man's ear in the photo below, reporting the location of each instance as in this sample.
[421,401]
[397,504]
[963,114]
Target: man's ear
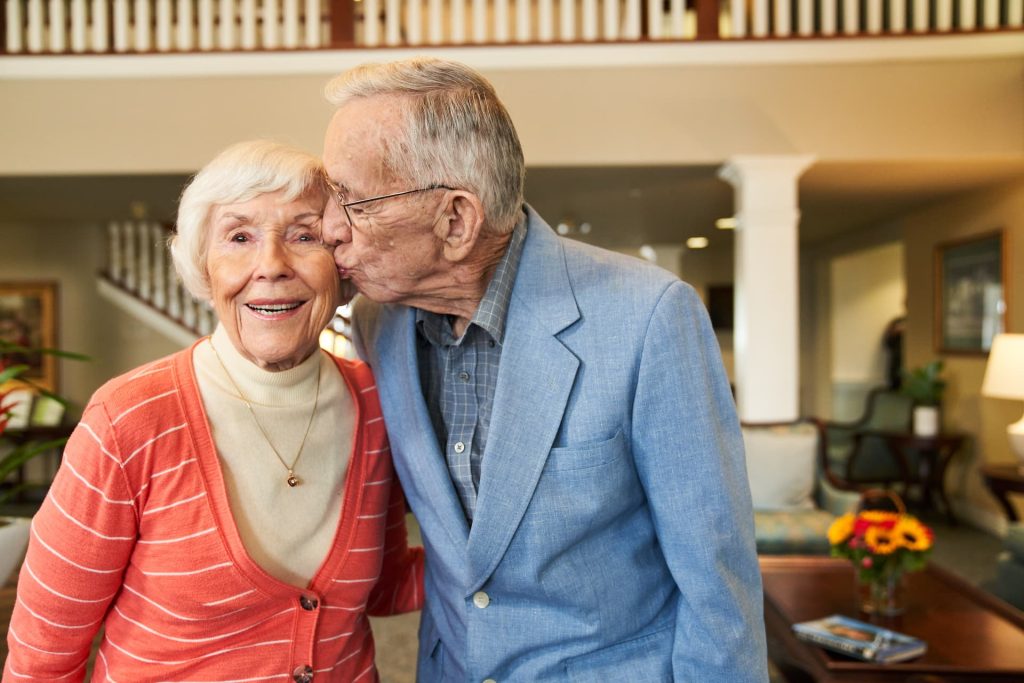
[463,222]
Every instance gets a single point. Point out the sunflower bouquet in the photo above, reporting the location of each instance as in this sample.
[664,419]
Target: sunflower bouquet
[883,546]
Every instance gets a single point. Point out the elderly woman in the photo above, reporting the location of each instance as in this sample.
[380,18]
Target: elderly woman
[229,512]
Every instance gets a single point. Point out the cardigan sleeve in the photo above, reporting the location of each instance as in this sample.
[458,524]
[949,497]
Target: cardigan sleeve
[80,544]
[400,586]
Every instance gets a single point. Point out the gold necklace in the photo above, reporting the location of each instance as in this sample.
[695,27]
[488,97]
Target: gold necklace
[292,480]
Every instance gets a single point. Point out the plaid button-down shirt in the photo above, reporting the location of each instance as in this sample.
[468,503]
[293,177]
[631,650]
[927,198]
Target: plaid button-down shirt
[459,376]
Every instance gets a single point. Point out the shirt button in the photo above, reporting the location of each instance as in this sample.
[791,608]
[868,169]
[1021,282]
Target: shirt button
[481,599]
[459,447]
[303,674]
[308,604]
[464,376]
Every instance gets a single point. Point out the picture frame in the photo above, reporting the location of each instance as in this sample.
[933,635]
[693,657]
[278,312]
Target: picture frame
[720,306]
[28,317]
[970,293]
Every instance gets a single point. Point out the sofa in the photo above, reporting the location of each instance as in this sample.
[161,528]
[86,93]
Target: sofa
[795,499]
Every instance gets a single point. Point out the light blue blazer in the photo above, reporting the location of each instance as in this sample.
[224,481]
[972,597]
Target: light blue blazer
[613,538]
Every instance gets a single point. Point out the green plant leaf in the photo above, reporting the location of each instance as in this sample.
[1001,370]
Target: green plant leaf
[22,454]
[12,372]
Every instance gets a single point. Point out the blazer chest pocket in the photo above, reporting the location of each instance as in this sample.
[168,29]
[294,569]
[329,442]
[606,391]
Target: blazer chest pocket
[587,455]
[647,658]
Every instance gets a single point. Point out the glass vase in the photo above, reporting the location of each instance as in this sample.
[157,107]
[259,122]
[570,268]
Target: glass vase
[884,595]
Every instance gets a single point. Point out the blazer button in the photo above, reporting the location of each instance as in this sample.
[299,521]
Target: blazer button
[481,599]
[303,674]
[308,604]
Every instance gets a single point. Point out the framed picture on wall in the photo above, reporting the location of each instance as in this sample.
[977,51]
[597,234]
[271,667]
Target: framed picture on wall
[970,293]
[720,299]
[28,319]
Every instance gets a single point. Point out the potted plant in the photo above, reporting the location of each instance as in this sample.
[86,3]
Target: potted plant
[925,386]
[14,530]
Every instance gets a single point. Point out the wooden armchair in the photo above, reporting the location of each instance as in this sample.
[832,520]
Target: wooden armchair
[858,454]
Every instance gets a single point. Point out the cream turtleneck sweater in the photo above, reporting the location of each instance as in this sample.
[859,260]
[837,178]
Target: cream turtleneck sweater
[286,530]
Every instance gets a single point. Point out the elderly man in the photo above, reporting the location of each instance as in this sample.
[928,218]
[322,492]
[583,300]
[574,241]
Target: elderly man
[558,414]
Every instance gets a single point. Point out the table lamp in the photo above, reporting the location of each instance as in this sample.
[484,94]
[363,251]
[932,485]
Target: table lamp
[1004,378]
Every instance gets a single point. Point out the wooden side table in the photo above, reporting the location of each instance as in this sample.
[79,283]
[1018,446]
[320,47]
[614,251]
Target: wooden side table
[935,454]
[1002,480]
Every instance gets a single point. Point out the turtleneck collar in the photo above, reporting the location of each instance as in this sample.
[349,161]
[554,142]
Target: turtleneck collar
[281,388]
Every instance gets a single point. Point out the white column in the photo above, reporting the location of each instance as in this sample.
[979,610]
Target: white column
[414,22]
[163,26]
[248,17]
[226,34]
[115,264]
[546,21]
[655,19]
[175,294]
[371,23]
[523,11]
[312,23]
[143,30]
[14,27]
[205,12]
[480,21]
[631,28]
[186,31]
[458,11]
[144,256]
[435,22]
[738,12]
[158,237]
[271,24]
[766,332]
[79,26]
[392,17]
[58,17]
[611,19]
[589,20]
[128,263]
[35,26]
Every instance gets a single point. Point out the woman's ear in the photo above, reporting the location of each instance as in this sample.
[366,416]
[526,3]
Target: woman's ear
[463,221]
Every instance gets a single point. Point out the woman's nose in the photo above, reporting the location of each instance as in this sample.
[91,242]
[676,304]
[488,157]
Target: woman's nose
[274,261]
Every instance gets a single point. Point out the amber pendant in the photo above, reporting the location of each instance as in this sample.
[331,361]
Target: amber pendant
[292,480]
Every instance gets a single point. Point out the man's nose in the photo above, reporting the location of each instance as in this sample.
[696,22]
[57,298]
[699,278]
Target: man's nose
[336,228]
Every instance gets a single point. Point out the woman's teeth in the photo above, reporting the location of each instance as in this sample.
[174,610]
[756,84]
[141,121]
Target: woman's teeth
[273,308]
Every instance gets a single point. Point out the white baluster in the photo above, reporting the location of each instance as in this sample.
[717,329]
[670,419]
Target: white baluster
[435,21]
[944,15]
[761,18]
[205,319]
[920,16]
[828,17]
[546,20]
[458,9]
[99,21]
[247,15]
[129,263]
[611,19]
[392,17]
[189,314]
[35,26]
[567,20]
[501,26]
[479,21]
[271,21]
[897,16]
[523,21]
[677,13]
[226,27]
[414,22]
[851,17]
[783,20]
[12,11]
[990,14]
[371,22]
[968,15]
[656,19]
[185,29]
[79,24]
[58,19]
[805,17]
[206,34]
[144,255]
[313,23]
[143,26]
[738,18]
[589,30]
[115,263]
[290,17]
[631,29]
[874,19]
[158,238]
[163,26]
[1015,13]
[175,294]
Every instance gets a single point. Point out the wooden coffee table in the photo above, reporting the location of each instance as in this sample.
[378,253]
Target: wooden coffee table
[971,636]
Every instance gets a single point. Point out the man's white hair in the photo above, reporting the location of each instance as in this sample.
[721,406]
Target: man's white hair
[239,173]
[456,131]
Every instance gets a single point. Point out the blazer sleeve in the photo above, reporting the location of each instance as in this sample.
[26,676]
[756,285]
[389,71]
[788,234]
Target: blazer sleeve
[81,541]
[688,450]
[400,586]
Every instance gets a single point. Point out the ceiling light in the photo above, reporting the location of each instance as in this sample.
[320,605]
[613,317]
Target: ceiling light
[563,228]
[648,253]
[584,228]
[697,242]
[726,223]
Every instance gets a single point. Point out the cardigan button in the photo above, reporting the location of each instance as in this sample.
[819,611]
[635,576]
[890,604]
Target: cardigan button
[303,674]
[308,604]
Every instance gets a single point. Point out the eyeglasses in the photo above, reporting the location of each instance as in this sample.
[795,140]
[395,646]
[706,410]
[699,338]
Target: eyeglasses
[357,217]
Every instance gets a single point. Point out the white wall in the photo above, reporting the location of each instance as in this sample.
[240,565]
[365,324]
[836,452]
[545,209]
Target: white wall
[868,289]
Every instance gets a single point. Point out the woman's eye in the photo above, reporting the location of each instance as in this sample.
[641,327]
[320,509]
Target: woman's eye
[238,237]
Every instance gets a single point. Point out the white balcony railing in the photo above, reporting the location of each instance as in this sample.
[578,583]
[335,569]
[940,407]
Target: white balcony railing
[119,26]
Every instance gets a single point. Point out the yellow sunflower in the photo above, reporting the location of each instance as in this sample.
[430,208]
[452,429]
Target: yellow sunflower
[912,535]
[881,541]
[879,517]
[841,529]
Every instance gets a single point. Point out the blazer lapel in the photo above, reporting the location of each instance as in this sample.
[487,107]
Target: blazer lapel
[535,379]
[418,459]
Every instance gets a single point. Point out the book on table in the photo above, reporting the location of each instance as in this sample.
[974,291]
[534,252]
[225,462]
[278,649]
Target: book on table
[860,639]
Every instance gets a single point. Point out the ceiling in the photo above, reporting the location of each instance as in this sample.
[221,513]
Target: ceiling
[626,206]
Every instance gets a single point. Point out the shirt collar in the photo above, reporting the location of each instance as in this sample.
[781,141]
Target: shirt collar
[492,311]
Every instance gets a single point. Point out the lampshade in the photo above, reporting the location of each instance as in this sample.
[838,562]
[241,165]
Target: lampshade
[1004,374]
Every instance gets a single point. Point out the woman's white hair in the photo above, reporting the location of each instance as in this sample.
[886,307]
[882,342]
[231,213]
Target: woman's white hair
[457,131]
[239,173]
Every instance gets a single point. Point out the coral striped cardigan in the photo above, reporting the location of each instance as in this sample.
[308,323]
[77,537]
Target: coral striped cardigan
[136,536]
